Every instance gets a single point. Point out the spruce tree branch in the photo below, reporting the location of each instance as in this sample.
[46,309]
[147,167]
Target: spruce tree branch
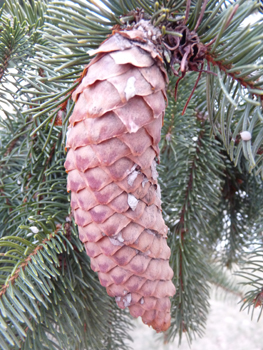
[27,260]
[228,290]
[223,279]
[188,5]
[188,189]
[201,14]
[13,143]
[6,198]
[51,154]
[185,248]
[13,39]
[225,67]
[190,180]
[4,66]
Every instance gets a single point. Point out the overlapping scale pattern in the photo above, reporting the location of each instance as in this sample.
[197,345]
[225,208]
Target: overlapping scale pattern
[111,163]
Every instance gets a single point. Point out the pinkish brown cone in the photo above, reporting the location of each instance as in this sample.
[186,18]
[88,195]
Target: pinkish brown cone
[111,163]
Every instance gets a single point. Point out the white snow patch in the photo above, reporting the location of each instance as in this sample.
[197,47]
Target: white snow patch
[130,88]
[151,32]
[68,219]
[132,201]
[119,237]
[144,181]
[67,134]
[127,300]
[115,241]
[118,298]
[133,126]
[150,232]
[18,182]
[154,171]
[132,177]
[34,229]
[142,301]
[122,43]
[158,191]
[245,135]
[133,168]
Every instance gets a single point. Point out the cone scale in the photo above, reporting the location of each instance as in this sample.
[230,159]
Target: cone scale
[112,147]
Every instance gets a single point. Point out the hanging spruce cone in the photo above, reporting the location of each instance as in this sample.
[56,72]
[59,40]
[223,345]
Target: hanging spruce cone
[111,163]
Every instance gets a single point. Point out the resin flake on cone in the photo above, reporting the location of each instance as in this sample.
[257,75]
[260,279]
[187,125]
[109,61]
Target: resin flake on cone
[112,147]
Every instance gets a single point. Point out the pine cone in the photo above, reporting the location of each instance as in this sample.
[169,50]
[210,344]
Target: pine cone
[111,163]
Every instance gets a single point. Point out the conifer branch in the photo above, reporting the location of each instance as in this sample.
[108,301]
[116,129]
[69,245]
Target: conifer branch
[53,148]
[4,66]
[181,230]
[221,278]
[25,263]
[245,82]
[17,273]
[187,258]
[6,198]
[190,179]
[228,290]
